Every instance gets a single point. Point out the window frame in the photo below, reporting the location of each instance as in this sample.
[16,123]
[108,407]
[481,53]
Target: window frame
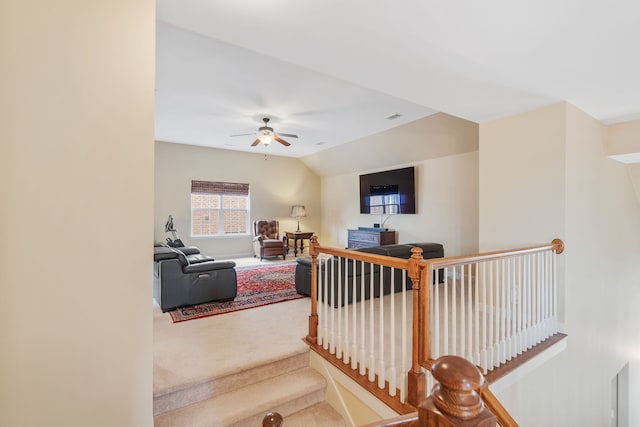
[219,190]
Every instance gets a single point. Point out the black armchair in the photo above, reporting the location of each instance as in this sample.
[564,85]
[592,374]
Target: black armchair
[183,277]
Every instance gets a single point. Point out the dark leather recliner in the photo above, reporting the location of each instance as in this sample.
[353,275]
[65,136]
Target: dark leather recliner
[184,277]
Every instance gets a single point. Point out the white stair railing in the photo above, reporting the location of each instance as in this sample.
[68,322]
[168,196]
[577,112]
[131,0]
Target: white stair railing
[486,308]
[494,308]
[369,334]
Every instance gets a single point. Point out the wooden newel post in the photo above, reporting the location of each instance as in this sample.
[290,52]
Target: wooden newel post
[272,419]
[416,378]
[312,338]
[558,246]
[455,401]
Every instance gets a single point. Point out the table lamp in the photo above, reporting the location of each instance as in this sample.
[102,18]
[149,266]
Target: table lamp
[298,211]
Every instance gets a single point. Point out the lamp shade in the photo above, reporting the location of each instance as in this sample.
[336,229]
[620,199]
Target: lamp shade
[298,211]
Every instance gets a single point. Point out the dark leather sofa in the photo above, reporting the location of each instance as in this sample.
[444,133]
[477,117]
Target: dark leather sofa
[337,269]
[183,277]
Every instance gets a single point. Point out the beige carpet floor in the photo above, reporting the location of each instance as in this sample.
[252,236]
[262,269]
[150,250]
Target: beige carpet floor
[193,351]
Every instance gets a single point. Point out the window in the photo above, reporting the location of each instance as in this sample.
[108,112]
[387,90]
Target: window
[384,199]
[219,208]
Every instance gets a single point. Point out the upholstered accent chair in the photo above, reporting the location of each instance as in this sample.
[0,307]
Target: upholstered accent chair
[267,240]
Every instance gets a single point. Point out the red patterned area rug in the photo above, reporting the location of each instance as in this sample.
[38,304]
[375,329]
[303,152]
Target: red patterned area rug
[257,286]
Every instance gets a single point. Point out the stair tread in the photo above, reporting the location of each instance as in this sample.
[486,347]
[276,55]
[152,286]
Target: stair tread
[318,415]
[252,400]
[188,394]
[167,383]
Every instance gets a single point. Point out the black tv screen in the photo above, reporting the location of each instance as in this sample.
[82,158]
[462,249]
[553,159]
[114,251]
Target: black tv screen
[388,192]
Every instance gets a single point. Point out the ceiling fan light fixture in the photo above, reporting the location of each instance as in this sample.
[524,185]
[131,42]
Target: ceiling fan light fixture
[266,135]
[266,138]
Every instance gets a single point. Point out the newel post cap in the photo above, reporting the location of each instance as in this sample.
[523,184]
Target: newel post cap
[456,393]
[456,373]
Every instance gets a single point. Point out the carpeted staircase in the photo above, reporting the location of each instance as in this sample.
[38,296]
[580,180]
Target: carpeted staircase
[242,398]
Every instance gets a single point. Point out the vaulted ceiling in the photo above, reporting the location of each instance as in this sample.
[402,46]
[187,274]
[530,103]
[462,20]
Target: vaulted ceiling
[334,71]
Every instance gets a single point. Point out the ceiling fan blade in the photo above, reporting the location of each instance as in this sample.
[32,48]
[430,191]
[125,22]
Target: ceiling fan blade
[256,142]
[281,141]
[289,135]
[244,134]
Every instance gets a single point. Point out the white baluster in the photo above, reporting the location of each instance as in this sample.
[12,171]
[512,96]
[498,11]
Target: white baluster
[493,331]
[484,362]
[476,317]
[403,348]
[354,344]
[503,311]
[372,359]
[435,319]
[332,326]
[347,290]
[546,294]
[454,313]
[362,358]
[342,280]
[549,293]
[381,368]
[539,299]
[325,304]
[530,300]
[554,290]
[464,313]
[445,314]
[392,332]
[469,328]
[508,332]
[519,305]
[516,304]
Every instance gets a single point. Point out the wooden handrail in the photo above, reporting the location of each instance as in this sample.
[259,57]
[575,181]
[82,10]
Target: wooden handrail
[557,245]
[493,404]
[384,260]
[407,420]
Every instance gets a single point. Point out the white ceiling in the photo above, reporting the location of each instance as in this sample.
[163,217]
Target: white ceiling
[332,71]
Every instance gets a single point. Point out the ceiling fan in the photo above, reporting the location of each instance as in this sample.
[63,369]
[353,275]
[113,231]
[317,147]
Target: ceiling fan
[266,135]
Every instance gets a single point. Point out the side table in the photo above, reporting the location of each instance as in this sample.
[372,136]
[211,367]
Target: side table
[298,236]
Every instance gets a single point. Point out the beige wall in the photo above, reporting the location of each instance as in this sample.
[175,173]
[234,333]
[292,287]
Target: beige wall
[432,137]
[623,138]
[446,204]
[634,173]
[522,177]
[595,212]
[623,144]
[76,177]
[444,151]
[276,183]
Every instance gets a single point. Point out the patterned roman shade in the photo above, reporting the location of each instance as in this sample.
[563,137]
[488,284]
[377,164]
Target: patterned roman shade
[223,188]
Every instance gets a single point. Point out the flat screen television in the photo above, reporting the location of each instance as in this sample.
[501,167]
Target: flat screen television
[388,192]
